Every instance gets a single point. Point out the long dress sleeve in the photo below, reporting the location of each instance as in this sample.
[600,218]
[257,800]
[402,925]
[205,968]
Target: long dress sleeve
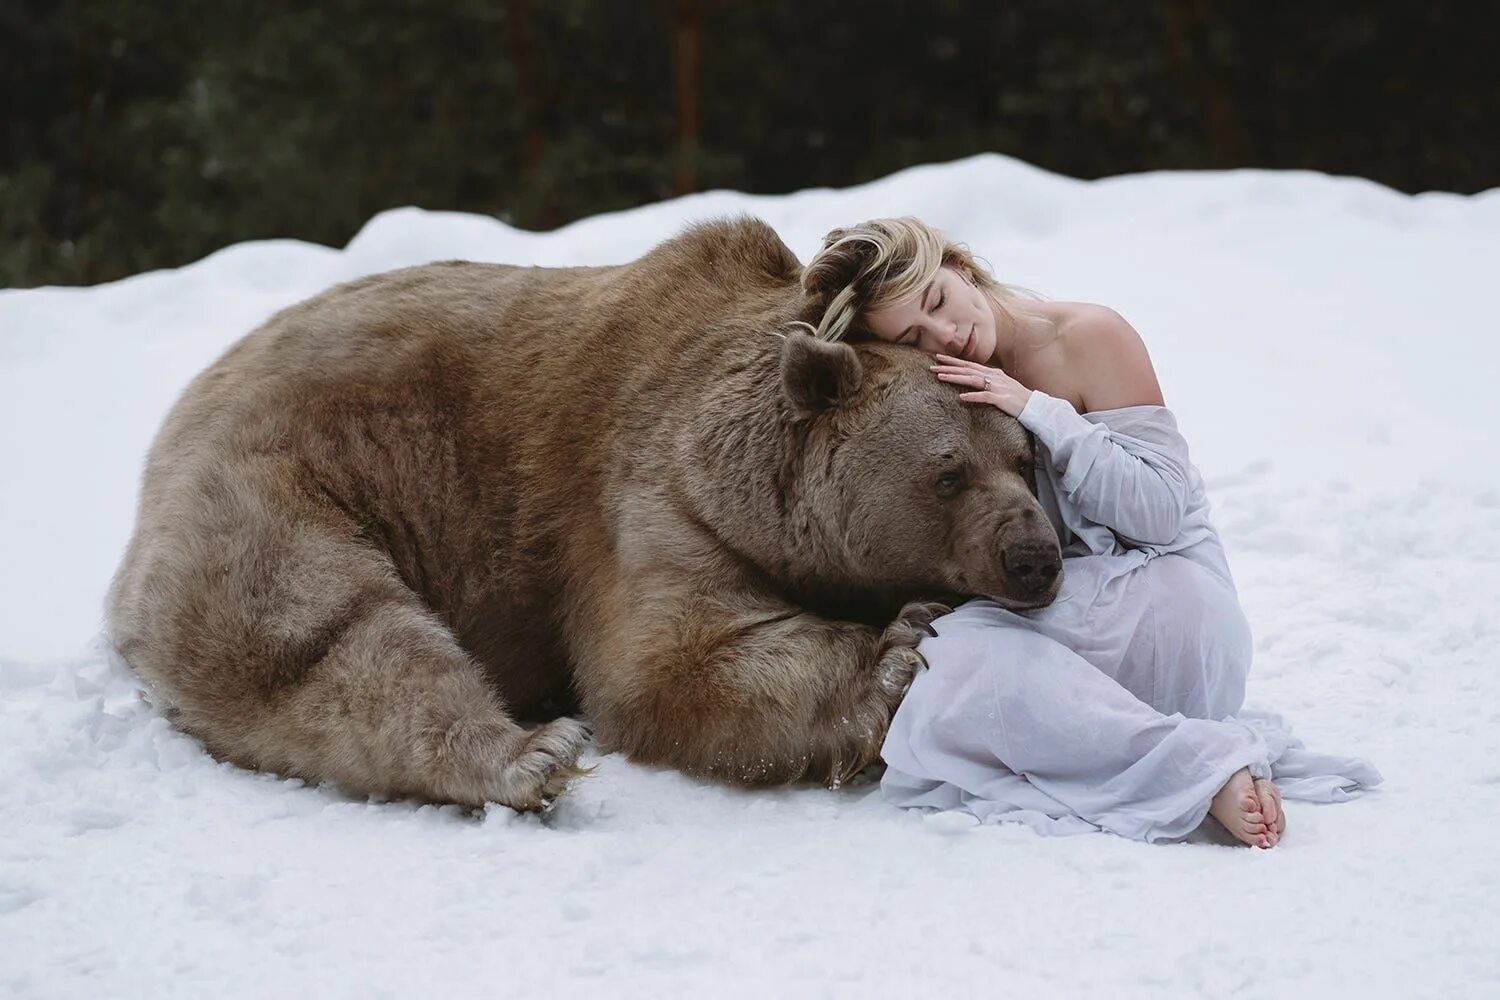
[1137,484]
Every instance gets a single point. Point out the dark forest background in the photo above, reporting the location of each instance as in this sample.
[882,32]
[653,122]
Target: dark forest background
[146,134]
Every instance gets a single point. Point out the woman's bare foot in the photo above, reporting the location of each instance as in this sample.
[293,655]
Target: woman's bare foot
[1238,806]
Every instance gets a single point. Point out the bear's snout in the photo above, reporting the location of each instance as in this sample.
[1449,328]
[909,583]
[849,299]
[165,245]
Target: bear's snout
[1031,570]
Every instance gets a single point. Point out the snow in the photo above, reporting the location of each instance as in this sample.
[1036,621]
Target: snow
[1330,347]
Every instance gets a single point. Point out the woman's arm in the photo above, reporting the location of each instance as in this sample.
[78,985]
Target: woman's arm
[1134,484]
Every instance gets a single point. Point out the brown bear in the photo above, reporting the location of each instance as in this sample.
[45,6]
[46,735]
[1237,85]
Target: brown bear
[407,516]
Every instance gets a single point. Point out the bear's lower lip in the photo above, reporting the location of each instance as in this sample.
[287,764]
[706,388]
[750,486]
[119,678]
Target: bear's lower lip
[1015,604]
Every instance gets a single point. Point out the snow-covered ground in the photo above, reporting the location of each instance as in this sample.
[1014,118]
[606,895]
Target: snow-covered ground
[1332,349]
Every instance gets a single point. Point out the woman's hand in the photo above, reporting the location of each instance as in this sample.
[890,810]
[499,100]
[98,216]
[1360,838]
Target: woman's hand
[987,385]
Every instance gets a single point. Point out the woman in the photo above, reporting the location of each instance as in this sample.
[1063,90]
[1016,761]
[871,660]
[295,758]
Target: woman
[1118,706]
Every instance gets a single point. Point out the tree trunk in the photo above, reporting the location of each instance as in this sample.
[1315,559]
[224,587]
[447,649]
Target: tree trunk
[1223,125]
[687,32]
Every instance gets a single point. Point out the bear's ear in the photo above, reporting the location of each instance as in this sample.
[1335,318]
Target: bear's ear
[817,375]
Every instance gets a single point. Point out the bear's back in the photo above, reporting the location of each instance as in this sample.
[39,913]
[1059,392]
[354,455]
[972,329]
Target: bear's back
[476,423]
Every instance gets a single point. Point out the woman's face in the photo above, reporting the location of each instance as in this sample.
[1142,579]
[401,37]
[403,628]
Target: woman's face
[947,316]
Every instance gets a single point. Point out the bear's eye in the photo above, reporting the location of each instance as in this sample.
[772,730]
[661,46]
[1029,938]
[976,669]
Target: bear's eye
[950,482]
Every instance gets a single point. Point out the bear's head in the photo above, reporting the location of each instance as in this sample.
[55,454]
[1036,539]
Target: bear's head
[904,490]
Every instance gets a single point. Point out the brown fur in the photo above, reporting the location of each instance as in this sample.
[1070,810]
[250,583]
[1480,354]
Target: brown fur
[405,515]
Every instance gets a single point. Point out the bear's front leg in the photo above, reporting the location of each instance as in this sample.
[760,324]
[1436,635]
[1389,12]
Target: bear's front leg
[899,660]
[754,695]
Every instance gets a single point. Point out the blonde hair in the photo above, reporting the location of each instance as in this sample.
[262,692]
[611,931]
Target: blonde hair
[871,265]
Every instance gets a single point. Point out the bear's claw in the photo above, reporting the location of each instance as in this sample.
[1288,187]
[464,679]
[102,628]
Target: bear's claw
[545,766]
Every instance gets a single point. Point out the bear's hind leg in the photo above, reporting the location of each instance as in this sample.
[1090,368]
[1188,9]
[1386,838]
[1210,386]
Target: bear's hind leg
[395,707]
[306,655]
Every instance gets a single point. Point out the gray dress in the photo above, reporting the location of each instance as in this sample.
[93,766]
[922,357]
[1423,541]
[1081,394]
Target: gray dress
[1118,706]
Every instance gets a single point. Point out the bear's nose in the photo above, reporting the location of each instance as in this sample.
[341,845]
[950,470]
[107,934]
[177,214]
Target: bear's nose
[1031,566]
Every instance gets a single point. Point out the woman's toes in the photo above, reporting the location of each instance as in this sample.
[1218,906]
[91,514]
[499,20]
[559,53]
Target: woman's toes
[1270,804]
[1239,809]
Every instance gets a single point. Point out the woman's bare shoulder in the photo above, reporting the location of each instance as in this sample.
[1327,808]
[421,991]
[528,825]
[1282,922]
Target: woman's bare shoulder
[1107,357]
[1075,320]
